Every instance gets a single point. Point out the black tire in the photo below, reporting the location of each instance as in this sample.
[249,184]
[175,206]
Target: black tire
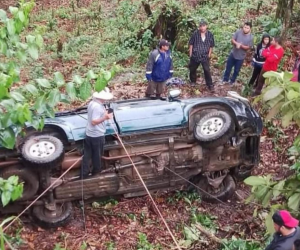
[43,217]
[220,132]
[223,193]
[27,176]
[243,172]
[48,158]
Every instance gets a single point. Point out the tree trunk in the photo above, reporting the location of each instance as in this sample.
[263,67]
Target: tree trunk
[284,13]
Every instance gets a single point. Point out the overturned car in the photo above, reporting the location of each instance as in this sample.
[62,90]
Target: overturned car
[203,143]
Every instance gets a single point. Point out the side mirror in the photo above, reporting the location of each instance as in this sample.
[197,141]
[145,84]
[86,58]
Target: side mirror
[173,93]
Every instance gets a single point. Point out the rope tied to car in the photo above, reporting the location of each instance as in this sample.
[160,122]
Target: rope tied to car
[44,192]
[147,190]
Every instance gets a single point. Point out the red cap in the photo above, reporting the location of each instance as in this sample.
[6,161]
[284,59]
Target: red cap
[287,219]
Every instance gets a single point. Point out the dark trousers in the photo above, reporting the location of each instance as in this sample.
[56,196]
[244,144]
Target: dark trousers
[260,82]
[255,75]
[232,62]
[193,66]
[93,150]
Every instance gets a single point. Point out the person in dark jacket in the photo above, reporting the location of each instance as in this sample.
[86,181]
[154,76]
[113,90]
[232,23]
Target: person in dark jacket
[159,69]
[286,231]
[258,60]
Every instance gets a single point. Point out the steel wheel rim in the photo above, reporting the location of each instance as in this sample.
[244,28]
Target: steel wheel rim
[42,149]
[211,126]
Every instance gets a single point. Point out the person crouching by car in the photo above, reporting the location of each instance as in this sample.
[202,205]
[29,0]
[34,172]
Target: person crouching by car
[286,231]
[258,60]
[159,69]
[94,141]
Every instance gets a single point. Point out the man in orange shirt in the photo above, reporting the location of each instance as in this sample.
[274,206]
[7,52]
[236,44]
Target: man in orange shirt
[273,55]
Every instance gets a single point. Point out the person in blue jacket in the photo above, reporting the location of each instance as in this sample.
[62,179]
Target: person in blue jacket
[159,69]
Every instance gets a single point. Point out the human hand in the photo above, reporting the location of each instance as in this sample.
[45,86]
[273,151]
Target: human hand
[238,45]
[149,77]
[108,116]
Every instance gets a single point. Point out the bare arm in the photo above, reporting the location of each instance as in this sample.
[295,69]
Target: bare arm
[210,51]
[190,50]
[102,119]
[244,47]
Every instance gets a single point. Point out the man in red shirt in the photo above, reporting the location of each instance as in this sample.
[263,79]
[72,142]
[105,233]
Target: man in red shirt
[273,55]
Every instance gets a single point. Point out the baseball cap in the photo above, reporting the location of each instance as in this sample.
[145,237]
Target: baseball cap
[202,22]
[284,218]
[163,42]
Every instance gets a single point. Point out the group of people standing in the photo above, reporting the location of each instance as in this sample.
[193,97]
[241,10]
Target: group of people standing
[268,54]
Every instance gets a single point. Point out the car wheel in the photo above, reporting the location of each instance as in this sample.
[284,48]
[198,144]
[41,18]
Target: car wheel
[43,152]
[26,176]
[214,129]
[59,217]
[211,194]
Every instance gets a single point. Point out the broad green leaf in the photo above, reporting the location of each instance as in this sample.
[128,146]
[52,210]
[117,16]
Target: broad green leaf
[49,111]
[54,97]
[27,113]
[11,27]
[30,39]
[8,138]
[277,189]
[287,118]
[190,234]
[33,52]
[266,200]
[100,84]
[5,198]
[77,79]
[3,91]
[272,93]
[13,180]
[17,96]
[3,47]
[70,88]
[59,79]
[91,75]
[13,10]
[294,201]
[7,103]
[269,223]
[6,220]
[40,104]
[6,120]
[107,75]
[273,74]
[44,83]
[261,192]
[287,76]
[85,90]
[39,41]
[292,94]
[17,192]
[22,56]
[255,181]
[64,98]
[21,16]
[274,111]
[275,100]
[3,15]
[32,89]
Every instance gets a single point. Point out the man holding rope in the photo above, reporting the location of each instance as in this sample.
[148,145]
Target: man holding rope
[95,133]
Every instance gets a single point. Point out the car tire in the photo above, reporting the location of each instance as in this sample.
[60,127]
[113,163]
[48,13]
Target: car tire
[43,217]
[27,176]
[50,156]
[224,192]
[214,129]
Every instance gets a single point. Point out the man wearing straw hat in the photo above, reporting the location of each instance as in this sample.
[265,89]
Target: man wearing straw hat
[95,133]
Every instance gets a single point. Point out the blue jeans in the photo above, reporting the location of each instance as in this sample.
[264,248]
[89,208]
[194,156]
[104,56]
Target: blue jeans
[232,62]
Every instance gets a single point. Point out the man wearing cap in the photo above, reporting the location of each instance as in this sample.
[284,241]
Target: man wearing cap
[159,69]
[95,133]
[200,48]
[286,231]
